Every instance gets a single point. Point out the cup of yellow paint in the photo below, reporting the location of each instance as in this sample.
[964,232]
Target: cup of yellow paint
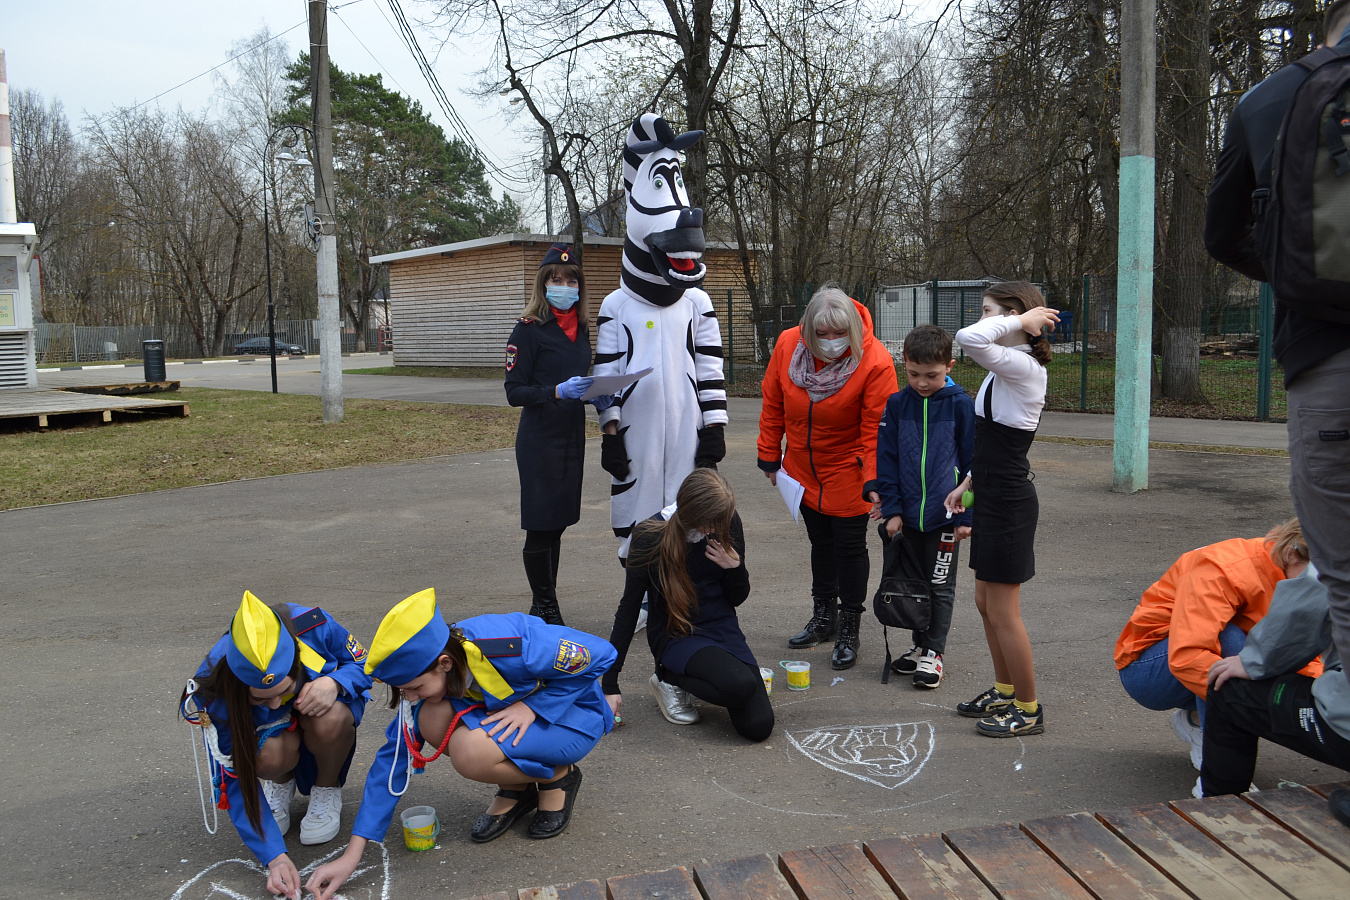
[799,674]
[767,676]
[420,828]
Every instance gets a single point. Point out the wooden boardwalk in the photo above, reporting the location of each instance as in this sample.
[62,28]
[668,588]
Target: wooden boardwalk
[1275,845]
[45,408]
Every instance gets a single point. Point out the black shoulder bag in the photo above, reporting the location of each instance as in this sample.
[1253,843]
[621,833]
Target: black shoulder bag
[905,598]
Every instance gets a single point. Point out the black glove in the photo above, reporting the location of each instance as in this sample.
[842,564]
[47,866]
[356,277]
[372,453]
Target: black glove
[712,447]
[614,455]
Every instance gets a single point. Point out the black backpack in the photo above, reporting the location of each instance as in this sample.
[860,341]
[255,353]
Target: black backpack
[905,598]
[1303,212]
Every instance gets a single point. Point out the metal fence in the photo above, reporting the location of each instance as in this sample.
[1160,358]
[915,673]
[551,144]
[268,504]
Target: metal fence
[75,344]
[1237,376]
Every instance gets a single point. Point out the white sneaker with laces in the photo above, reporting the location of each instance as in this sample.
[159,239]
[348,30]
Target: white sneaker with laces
[1191,734]
[928,674]
[676,705]
[324,818]
[278,796]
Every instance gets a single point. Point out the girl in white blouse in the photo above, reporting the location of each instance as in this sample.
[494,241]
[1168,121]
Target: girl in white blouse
[1010,341]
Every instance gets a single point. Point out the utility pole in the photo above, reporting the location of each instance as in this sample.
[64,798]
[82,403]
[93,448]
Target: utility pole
[1134,266]
[330,320]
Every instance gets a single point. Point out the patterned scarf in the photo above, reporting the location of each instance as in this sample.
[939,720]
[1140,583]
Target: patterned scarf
[822,384]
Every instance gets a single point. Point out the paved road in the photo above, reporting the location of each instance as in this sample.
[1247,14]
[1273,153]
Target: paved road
[109,605]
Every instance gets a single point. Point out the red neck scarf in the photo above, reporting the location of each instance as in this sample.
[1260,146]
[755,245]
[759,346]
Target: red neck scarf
[567,321]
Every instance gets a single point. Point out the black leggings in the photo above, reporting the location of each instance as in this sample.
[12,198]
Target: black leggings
[839,563]
[715,676]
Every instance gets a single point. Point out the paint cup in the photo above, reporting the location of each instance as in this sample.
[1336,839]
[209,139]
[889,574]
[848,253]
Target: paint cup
[420,828]
[799,674]
[767,675]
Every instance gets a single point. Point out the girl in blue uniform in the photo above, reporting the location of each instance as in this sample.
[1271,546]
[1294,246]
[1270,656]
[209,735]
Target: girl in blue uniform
[547,358]
[297,678]
[511,700]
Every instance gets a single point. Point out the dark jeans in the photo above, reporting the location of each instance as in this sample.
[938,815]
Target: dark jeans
[715,676]
[1277,709]
[938,552]
[1150,682]
[839,562]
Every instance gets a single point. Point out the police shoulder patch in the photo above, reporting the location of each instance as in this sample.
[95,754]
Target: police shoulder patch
[308,621]
[572,657]
[511,353]
[355,649]
[527,320]
[497,648]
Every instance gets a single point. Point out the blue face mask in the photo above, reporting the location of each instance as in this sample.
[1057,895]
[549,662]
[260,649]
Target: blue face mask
[560,296]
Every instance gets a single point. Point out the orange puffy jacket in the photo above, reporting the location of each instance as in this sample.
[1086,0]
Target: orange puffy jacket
[832,444]
[1231,581]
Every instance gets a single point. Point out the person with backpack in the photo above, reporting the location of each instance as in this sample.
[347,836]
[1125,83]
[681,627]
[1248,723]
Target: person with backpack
[924,448]
[1279,212]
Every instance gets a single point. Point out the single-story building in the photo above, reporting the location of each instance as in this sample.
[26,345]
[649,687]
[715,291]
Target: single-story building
[455,304]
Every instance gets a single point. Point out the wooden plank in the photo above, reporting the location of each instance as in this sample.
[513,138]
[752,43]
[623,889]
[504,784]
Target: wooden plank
[925,868]
[1012,865]
[582,890]
[1298,869]
[1099,860]
[669,884]
[827,872]
[1326,789]
[1305,813]
[128,388]
[750,876]
[1188,855]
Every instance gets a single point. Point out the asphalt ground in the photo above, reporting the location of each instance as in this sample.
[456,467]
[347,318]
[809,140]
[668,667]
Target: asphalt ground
[110,604]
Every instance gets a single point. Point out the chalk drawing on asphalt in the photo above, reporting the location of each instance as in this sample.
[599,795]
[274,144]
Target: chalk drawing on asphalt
[245,879]
[884,755]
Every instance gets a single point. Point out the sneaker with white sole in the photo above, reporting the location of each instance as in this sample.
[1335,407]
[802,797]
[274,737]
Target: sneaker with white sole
[676,705]
[1198,792]
[1191,734]
[278,796]
[908,662]
[928,674]
[324,818]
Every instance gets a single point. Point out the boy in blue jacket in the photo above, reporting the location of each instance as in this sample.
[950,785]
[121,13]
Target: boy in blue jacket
[924,446]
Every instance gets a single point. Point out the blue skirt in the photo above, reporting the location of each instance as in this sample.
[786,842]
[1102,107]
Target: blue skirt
[306,770]
[544,747]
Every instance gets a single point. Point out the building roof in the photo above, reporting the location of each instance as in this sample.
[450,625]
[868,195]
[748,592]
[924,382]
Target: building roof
[591,240]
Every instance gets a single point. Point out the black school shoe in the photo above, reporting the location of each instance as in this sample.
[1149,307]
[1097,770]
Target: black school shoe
[988,703]
[489,828]
[551,823]
[1013,722]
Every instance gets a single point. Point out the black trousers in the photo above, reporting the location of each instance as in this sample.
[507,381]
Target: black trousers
[938,553]
[839,563]
[1281,710]
[715,676]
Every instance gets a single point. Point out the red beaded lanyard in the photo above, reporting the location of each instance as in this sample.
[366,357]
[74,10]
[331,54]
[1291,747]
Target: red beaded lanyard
[419,761]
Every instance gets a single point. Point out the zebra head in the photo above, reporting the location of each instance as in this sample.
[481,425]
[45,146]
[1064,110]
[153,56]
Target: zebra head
[663,248]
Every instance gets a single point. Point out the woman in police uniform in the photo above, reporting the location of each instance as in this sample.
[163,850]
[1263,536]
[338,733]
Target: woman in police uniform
[547,358]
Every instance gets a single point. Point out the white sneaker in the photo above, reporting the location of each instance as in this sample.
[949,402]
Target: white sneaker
[642,617]
[1198,793]
[908,661]
[676,705]
[278,797]
[928,674]
[324,818]
[1191,734]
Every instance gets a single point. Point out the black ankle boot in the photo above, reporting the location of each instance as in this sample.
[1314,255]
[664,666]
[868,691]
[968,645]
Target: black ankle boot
[846,648]
[539,572]
[824,620]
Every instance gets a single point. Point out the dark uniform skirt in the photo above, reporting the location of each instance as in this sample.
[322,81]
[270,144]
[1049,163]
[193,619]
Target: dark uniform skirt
[1003,526]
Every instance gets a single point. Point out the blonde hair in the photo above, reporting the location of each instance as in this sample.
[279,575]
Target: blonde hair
[1285,543]
[537,306]
[832,309]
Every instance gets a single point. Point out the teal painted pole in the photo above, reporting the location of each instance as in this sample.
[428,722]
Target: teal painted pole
[731,341]
[1267,339]
[1083,313]
[1134,266]
[914,313]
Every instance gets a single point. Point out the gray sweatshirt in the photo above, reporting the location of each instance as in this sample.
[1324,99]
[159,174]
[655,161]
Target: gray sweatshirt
[1295,630]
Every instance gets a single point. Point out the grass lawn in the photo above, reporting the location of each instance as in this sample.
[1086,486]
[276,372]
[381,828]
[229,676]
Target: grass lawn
[233,435]
[432,371]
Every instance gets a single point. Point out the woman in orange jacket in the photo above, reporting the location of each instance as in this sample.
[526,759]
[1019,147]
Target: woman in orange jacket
[1199,612]
[825,389]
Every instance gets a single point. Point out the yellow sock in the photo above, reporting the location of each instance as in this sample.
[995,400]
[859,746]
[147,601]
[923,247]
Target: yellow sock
[1027,707]
[1006,690]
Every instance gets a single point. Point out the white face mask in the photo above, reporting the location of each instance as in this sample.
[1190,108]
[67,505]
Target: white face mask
[833,348]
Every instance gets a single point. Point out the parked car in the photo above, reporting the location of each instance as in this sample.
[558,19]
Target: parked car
[260,346]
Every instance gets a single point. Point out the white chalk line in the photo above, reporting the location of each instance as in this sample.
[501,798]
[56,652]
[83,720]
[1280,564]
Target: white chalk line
[250,865]
[918,802]
[852,735]
[794,812]
[803,700]
[1017,766]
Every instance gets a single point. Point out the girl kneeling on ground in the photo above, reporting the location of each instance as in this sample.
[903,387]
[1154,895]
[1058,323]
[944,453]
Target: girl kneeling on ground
[512,701]
[688,560]
[296,677]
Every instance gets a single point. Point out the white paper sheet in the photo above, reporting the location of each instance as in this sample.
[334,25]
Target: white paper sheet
[612,384]
[792,491]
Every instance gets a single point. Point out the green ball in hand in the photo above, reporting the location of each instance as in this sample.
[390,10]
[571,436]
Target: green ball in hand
[968,499]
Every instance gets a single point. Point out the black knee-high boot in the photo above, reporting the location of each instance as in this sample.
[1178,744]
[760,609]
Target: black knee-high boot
[539,570]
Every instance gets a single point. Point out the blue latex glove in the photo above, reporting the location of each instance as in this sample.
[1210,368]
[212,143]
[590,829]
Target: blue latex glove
[604,401]
[574,387]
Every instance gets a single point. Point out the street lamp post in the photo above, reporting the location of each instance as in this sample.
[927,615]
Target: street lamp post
[269,164]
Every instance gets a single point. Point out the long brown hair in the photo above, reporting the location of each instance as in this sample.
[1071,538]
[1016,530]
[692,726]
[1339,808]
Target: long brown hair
[536,307]
[704,500]
[222,684]
[456,680]
[1018,297]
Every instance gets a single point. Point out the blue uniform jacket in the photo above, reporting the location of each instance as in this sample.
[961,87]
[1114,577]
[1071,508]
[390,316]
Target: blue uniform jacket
[557,675]
[924,446]
[326,648]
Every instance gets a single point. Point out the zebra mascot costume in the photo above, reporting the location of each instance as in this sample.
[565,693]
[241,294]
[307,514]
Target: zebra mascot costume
[671,420]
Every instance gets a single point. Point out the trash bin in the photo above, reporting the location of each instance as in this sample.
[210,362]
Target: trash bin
[152,354]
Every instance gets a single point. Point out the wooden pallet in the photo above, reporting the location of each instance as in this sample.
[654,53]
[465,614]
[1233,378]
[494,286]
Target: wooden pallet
[45,408]
[1275,845]
[128,389]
